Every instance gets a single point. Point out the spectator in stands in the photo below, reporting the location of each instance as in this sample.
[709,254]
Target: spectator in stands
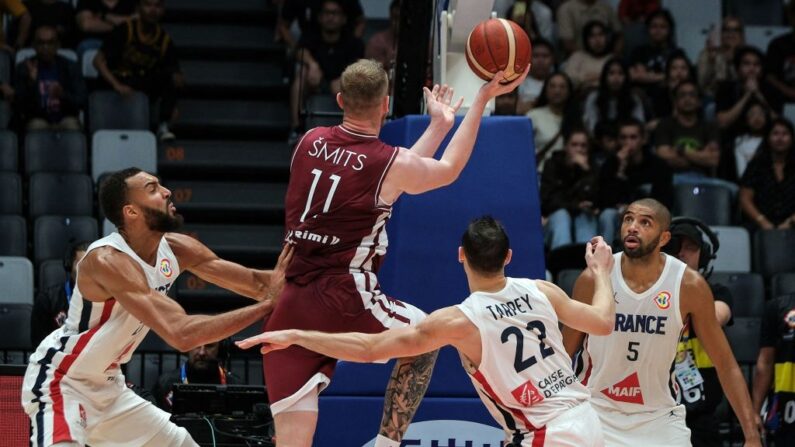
[383,45]
[774,370]
[605,141]
[542,66]
[687,142]
[97,18]
[732,96]
[614,100]
[18,12]
[205,364]
[677,69]
[49,88]
[307,15]
[700,400]
[51,304]
[555,113]
[716,61]
[625,175]
[534,17]
[568,193]
[574,14]
[781,60]
[585,65]
[140,56]
[742,146]
[321,58]
[57,14]
[647,62]
[767,193]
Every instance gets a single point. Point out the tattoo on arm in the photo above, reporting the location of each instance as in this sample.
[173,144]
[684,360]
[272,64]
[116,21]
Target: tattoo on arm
[405,390]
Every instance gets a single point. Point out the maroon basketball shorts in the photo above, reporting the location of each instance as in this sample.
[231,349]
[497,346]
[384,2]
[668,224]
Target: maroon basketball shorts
[350,302]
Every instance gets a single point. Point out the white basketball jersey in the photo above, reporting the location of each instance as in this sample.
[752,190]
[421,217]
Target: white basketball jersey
[97,337]
[629,371]
[525,377]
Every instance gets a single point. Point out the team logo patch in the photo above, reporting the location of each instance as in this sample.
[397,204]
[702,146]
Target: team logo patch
[527,394]
[628,390]
[790,319]
[165,268]
[663,300]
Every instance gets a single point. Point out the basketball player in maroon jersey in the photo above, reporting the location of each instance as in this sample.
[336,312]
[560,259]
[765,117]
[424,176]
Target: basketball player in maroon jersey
[343,183]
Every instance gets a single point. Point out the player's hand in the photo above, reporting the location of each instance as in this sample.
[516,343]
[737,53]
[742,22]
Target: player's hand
[495,87]
[278,276]
[438,103]
[599,255]
[270,341]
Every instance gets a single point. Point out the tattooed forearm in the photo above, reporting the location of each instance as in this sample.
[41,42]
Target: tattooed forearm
[405,390]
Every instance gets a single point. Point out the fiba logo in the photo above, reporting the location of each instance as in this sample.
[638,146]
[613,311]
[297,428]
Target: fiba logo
[663,300]
[165,268]
[441,433]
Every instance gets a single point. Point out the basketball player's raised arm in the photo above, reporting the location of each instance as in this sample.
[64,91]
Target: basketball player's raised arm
[583,293]
[116,276]
[700,305]
[200,260]
[442,113]
[447,326]
[415,174]
[597,318]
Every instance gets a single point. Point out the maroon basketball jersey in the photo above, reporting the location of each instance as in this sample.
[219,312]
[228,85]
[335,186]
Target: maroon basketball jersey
[333,213]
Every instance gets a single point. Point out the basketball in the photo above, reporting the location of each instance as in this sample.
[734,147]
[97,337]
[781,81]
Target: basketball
[498,44]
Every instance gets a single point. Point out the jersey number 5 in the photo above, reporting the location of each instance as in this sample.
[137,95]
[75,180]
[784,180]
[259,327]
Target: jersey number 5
[335,181]
[519,363]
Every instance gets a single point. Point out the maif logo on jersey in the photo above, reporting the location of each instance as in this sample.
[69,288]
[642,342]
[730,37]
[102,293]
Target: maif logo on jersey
[628,390]
[663,300]
[165,268]
[527,394]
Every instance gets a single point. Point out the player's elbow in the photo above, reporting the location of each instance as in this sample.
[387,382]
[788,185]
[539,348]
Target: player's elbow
[605,325]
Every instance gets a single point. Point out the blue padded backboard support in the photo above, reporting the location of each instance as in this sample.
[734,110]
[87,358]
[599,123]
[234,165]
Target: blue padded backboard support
[422,268]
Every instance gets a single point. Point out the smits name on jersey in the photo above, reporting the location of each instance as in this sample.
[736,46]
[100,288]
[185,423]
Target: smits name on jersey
[339,156]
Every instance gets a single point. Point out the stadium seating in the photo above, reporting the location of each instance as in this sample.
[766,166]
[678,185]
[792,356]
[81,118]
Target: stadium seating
[87,64]
[734,254]
[61,194]
[51,273]
[322,110]
[64,152]
[115,149]
[218,197]
[15,321]
[782,283]
[5,114]
[747,290]
[773,251]
[711,204]
[10,193]
[256,242]
[109,110]
[16,275]
[9,154]
[743,337]
[26,53]
[13,236]
[5,67]
[53,234]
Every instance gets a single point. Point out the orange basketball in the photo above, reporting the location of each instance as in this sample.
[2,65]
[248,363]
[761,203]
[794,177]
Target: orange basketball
[498,44]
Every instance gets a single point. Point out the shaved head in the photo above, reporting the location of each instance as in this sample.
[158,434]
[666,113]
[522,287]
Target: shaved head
[660,212]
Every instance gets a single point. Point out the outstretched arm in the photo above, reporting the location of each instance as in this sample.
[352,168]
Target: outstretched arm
[112,274]
[701,307]
[446,326]
[599,317]
[415,174]
[200,260]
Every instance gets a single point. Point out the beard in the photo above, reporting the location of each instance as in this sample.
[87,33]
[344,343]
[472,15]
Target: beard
[203,371]
[642,250]
[162,221]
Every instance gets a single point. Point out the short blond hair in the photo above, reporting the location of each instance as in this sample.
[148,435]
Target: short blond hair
[363,84]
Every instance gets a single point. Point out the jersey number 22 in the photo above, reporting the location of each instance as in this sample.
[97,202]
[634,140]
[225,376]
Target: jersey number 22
[519,362]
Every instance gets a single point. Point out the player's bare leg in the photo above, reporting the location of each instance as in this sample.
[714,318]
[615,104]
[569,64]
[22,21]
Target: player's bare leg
[295,428]
[407,386]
